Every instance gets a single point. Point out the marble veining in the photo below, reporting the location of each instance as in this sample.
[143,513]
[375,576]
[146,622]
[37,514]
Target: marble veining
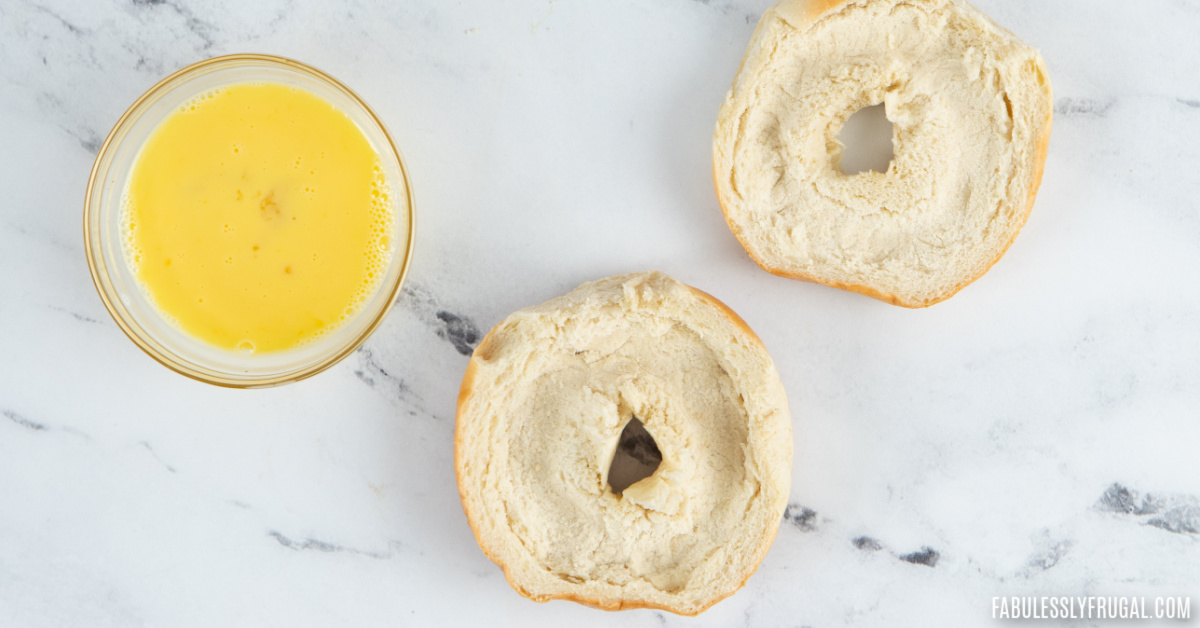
[867,544]
[23,422]
[373,374]
[1179,514]
[456,329]
[322,546]
[1035,435]
[150,449]
[925,556]
[1072,107]
[804,519]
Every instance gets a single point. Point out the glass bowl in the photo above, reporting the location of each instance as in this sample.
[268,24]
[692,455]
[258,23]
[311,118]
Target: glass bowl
[127,300]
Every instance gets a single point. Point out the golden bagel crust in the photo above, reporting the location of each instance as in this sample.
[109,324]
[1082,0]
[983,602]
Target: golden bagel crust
[770,437]
[794,18]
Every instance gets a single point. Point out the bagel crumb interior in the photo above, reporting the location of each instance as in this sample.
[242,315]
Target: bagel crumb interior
[546,399]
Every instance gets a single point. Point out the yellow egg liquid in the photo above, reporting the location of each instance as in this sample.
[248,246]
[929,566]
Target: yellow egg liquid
[257,217]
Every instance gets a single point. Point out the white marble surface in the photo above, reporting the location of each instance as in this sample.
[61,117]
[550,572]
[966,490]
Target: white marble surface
[552,143]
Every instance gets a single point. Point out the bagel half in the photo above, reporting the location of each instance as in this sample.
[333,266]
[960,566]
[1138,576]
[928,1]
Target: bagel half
[971,108]
[543,403]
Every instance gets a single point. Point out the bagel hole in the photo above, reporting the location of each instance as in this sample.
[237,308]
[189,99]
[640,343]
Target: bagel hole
[867,141]
[637,457]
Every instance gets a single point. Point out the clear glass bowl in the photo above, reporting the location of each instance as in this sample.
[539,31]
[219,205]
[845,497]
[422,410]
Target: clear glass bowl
[125,298]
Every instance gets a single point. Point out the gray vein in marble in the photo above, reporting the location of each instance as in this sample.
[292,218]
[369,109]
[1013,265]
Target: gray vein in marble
[75,315]
[1179,514]
[150,449]
[867,544]
[74,432]
[457,329]
[1082,107]
[73,54]
[1118,499]
[373,374]
[74,29]
[199,28]
[925,556]
[24,422]
[88,138]
[1193,104]
[1051,550]
[322,546]
[805,519]
[1184,519]
[77,33]
[36,426]
[802,518]
[1043,560]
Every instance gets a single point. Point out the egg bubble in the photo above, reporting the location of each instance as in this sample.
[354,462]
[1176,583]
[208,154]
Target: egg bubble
[195,102]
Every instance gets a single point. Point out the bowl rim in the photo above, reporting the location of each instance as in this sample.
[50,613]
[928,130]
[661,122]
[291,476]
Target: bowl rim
[103,283]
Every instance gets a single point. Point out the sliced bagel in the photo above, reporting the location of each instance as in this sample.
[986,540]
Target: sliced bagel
[544,401]
[971,108]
